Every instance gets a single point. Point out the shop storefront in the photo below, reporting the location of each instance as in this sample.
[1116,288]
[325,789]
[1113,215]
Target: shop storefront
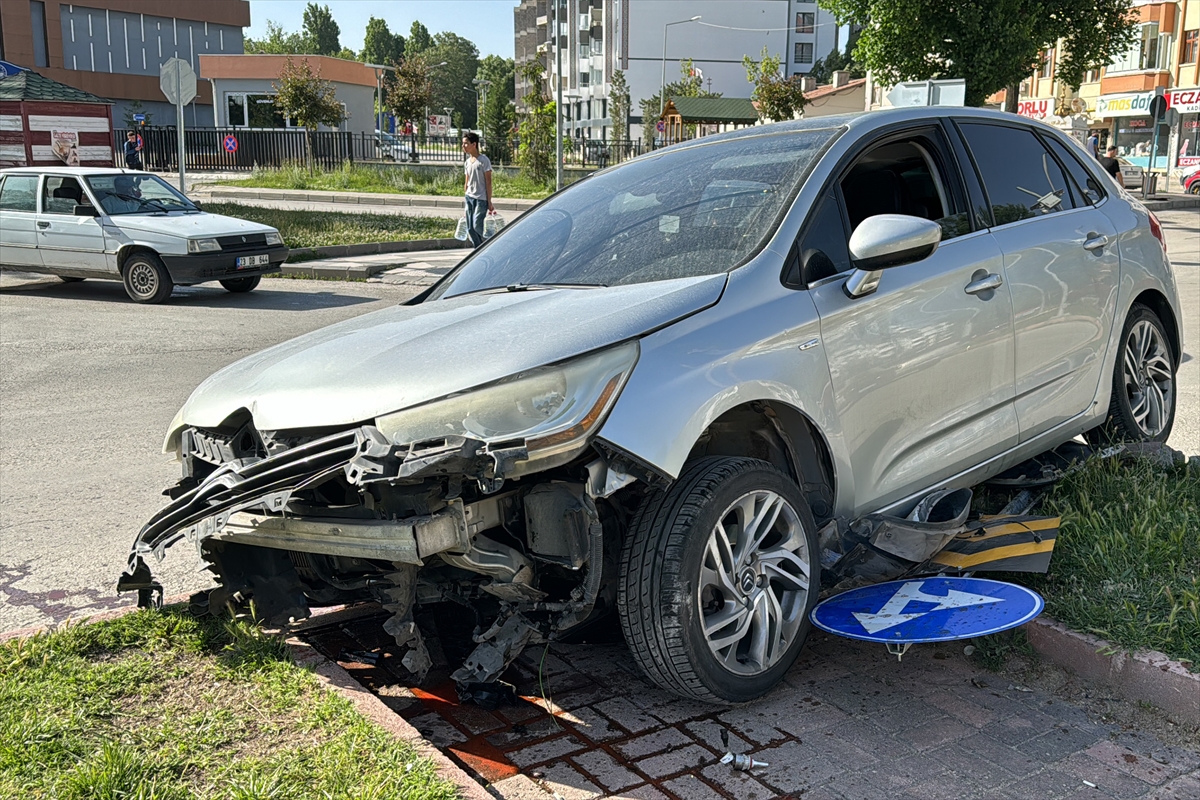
[1042,109]
[1131,130]
[1185,144]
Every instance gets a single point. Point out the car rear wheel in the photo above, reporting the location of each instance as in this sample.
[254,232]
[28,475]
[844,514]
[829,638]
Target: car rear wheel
[239,285]
[146,279]
[1195,188]
[1142,408]
[718,576]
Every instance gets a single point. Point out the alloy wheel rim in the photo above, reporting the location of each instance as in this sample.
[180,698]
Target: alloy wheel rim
[143,279]
[1149,384]
[754,583]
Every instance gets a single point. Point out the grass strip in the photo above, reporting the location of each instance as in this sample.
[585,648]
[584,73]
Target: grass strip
[324,228]
[1127,563]
[389,180]
[159,705]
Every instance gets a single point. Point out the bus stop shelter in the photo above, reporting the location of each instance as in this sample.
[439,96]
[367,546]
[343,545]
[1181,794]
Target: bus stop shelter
[707,115]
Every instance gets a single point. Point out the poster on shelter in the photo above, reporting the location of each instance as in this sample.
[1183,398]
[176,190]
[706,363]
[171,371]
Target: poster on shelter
[65,145]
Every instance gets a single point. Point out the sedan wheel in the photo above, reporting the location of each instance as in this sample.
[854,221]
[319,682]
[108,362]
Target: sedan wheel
[146,279]
[718,577]
[1143,399]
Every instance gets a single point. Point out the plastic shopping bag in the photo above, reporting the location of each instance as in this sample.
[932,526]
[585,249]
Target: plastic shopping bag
[492,224]
[460,230]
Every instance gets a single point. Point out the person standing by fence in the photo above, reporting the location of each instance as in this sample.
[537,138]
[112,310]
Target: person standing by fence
[477,187]
[133,151]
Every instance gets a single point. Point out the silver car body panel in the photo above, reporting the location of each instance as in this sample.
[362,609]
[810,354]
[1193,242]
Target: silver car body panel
[403,356]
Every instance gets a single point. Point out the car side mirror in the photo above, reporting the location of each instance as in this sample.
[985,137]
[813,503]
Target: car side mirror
[888,240]
[86,211]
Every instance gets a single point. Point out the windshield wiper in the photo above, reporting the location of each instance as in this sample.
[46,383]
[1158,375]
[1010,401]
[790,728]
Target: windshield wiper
[525,287]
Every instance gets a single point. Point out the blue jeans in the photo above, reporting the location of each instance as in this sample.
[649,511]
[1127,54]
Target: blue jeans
[476,211]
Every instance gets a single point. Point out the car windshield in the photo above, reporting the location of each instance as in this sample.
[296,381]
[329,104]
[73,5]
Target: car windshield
[681,213]
[136,194]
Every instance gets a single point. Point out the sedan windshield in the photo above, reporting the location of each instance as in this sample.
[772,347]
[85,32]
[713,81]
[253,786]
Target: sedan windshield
[682,213]
[136,194]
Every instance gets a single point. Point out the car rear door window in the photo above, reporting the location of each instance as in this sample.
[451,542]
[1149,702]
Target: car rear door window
[1020,176]
[19,193]
[1088,186]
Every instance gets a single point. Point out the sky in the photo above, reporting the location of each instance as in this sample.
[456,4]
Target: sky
[487,23]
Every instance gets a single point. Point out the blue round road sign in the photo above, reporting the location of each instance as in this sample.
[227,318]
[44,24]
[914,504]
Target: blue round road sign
[927,610]
[231,143]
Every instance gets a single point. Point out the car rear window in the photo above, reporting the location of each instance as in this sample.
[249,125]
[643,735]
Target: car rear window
[1022,179]
[684,212]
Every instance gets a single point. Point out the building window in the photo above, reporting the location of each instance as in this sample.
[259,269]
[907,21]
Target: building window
[804,53]
[1047,64]
[254,111]
[805,21]
[37,18]
[1147,53]
[1092,76]
[1191,47]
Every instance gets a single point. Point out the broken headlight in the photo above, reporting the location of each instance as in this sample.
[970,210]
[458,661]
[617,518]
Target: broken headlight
[554,409]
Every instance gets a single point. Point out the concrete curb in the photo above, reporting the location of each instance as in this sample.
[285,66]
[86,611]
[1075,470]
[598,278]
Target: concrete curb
[1161,203]
[368,249]
[1148,676]
[234,193]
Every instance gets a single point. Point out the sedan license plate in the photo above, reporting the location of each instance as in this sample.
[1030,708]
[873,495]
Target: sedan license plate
[253,261]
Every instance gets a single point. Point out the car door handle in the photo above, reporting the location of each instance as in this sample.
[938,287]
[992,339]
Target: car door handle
[43,224]
[1095,241]
[989,281]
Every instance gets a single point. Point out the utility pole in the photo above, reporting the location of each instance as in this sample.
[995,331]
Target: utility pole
[558,111]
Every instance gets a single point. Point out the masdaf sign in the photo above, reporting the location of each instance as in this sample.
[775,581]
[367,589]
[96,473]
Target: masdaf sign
[1130,104]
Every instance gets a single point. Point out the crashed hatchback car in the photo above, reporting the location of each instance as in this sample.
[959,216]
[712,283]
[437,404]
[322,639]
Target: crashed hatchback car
[650,393]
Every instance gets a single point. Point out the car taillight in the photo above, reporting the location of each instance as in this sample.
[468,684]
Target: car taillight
[1156,229]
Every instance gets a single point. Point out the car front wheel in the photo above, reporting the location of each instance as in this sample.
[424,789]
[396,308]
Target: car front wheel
[1142,408]
[146,279]
[239,285]
[718,576]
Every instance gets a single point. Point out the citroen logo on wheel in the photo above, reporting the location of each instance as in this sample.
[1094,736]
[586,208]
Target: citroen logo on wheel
[749,581]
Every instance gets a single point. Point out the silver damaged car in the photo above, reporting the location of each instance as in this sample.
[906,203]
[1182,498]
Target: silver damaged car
[649,394]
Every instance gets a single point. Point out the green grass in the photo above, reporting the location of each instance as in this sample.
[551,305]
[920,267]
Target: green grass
[389,180]
[323,228]
[162,706]
[1126,566]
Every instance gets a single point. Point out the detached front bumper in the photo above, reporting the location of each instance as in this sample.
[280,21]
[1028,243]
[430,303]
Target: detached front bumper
[201,267]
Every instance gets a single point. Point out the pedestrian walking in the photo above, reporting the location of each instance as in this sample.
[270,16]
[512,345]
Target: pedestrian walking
[477,187]
[133,151]
[1093,144]
[1110,164]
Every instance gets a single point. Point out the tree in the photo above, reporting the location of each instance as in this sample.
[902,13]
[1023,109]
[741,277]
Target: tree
[276,42]
[380,45]
[135,107]
[321,31]
[776,97]
[536,133]
[991,44]
[452,82]
[308,100]
[419,39]
[498,114]
[410,88]
[618,106]
[690,84]
[823,68]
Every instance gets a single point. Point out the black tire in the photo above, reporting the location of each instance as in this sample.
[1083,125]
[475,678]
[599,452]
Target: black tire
[146,279]
[1195,188]
[69,279]
[1144,393]
[239,285]
[663,593]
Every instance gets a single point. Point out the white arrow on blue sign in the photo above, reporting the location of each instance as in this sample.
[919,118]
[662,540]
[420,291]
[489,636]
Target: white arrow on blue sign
[927,610]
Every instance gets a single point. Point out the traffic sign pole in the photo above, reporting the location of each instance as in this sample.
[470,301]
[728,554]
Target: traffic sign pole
[179,127]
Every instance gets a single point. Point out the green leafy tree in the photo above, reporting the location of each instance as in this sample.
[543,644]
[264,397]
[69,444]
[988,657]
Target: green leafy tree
[991,44]
[500,73]
[277,42]
[776,97]
[308,100]
[321,32]
[380,45]
[690,84]
[618,106]
[410,87]
[498,116]
[452,82]
[419,39]
[823,68]
[135,107]
[535,151]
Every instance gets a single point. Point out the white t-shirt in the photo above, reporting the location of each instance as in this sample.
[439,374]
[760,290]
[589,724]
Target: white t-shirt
[474,168]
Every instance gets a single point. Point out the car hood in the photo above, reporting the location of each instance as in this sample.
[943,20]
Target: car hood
[356,370]
[190,226]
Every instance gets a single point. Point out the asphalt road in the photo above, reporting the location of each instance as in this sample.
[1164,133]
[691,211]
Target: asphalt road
[89,382]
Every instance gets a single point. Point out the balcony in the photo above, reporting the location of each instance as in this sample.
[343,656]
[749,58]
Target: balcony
[1146,81]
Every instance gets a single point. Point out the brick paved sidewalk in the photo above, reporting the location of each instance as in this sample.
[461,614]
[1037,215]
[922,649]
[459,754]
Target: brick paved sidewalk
[849,722]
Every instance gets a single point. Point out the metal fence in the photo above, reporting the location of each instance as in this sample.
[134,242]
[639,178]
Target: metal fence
[244,149]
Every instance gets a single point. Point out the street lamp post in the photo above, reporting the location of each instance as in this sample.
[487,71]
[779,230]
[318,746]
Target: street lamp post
[379,70]
[662,92]
[480,97]
[558,112]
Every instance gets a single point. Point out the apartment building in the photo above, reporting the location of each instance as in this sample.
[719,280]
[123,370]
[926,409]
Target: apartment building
[647,38]
[114,48]
[1114,101]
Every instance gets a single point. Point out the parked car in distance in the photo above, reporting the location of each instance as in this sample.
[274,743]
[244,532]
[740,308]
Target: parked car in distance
[88,222]
[1131,174]
[1191,183]
[648,394]
[391,147]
